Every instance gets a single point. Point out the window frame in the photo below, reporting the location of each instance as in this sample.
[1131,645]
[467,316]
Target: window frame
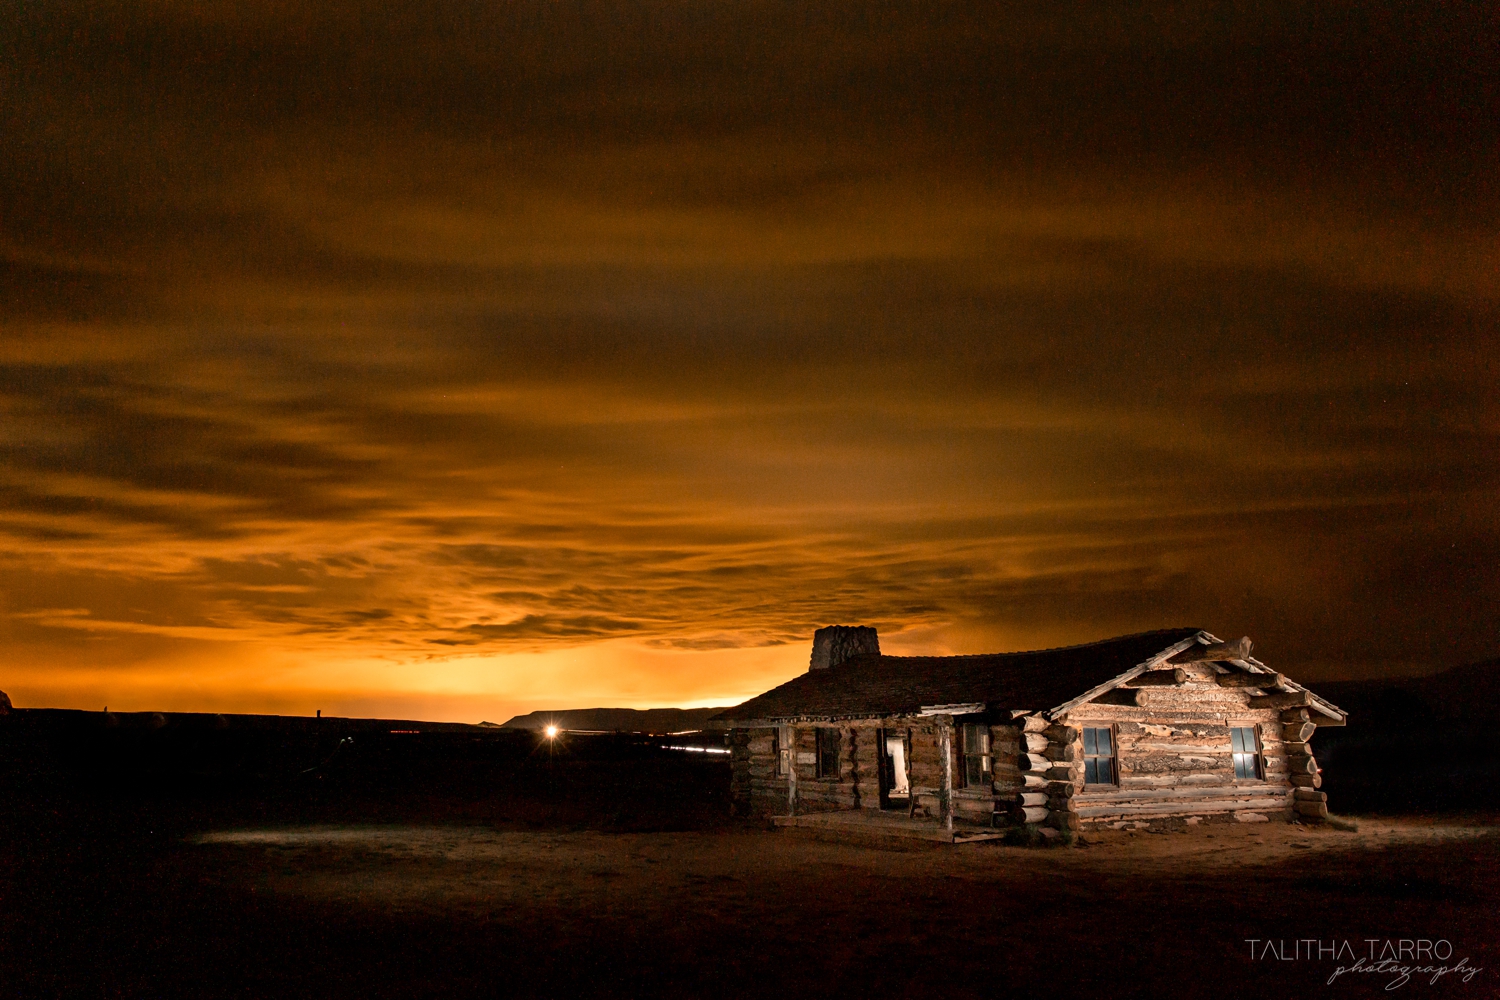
[1257,755]
[1113,756]
[836,737]
[983,756]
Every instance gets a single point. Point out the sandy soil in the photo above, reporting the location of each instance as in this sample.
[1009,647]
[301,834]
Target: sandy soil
[744,911]
[443,869]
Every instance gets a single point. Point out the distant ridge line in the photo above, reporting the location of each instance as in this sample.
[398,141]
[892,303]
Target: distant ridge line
[621,720]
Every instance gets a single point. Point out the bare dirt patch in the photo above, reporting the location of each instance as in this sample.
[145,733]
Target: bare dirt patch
[734,912]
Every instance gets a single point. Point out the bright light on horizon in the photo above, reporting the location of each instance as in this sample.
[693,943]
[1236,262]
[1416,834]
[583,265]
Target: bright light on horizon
[551,732]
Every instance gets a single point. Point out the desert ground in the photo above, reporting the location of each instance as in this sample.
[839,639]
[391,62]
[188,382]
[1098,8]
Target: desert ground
[618,873]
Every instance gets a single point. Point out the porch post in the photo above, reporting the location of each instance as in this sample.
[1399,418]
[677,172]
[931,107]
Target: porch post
[791,777]
[945,798]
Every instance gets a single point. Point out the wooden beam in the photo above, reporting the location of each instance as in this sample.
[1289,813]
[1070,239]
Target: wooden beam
[1032,762]
[1244,680]
[1062,734]
[1180,808]
[1302,764]
[961,708]
[1312,810]
[1158,678]
[1298,732]
[1281,699]
[791,777]
[945,801]
[1185,793]
[1030,814]
[1239,649]
[1307,780]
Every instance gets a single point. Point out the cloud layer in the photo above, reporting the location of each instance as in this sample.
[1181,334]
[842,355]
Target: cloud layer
[391,354]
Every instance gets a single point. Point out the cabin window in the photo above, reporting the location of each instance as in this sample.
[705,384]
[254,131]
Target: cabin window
[1246,749]
[828,753]
[1098,756]
[976,752]
[784,741]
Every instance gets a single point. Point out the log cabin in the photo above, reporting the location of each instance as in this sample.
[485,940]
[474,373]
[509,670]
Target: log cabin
[1141,731]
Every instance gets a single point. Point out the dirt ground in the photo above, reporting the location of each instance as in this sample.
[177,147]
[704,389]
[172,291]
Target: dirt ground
[408,910]
[473,870]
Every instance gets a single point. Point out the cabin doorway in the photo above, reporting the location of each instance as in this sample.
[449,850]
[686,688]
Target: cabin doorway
[895,770]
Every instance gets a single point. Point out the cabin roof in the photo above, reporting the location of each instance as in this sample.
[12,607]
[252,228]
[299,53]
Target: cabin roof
[877,685]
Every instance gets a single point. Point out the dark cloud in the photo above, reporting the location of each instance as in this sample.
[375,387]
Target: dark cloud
[410,335]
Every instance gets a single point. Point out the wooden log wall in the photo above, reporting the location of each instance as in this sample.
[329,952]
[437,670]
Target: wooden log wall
[756,788]
[1175,759]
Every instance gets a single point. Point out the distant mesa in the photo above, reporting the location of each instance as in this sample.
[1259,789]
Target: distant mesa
[4,703]
[621,720]
[1470,693]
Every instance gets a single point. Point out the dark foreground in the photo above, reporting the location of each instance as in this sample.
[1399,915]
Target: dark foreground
[459,866]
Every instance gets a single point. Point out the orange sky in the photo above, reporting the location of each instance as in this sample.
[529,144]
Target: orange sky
[453,362]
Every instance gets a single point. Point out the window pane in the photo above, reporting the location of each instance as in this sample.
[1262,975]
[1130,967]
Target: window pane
[1102,739]
[1088,741]
[1237,740]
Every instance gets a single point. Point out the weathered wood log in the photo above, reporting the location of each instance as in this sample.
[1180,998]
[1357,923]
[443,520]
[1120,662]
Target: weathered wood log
[1062,772]
[1241,680]
[1183,792]
[1035,723]
[1302,764]
[1032,762]
[1033,781]
[1298,732]
[1309,795]
[1296,715]
[1158,678]
[1062,734]
[1061,789]
[1068,752]
[1312,810]
[1281,699]
[1063,821]
[1031,814]
[1036,742]
[1187,808]
[1032,798]
[1239,649]
[1307,780]
[1158,763]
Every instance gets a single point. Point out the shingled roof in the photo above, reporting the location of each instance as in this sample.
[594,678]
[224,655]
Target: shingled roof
[900,685]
